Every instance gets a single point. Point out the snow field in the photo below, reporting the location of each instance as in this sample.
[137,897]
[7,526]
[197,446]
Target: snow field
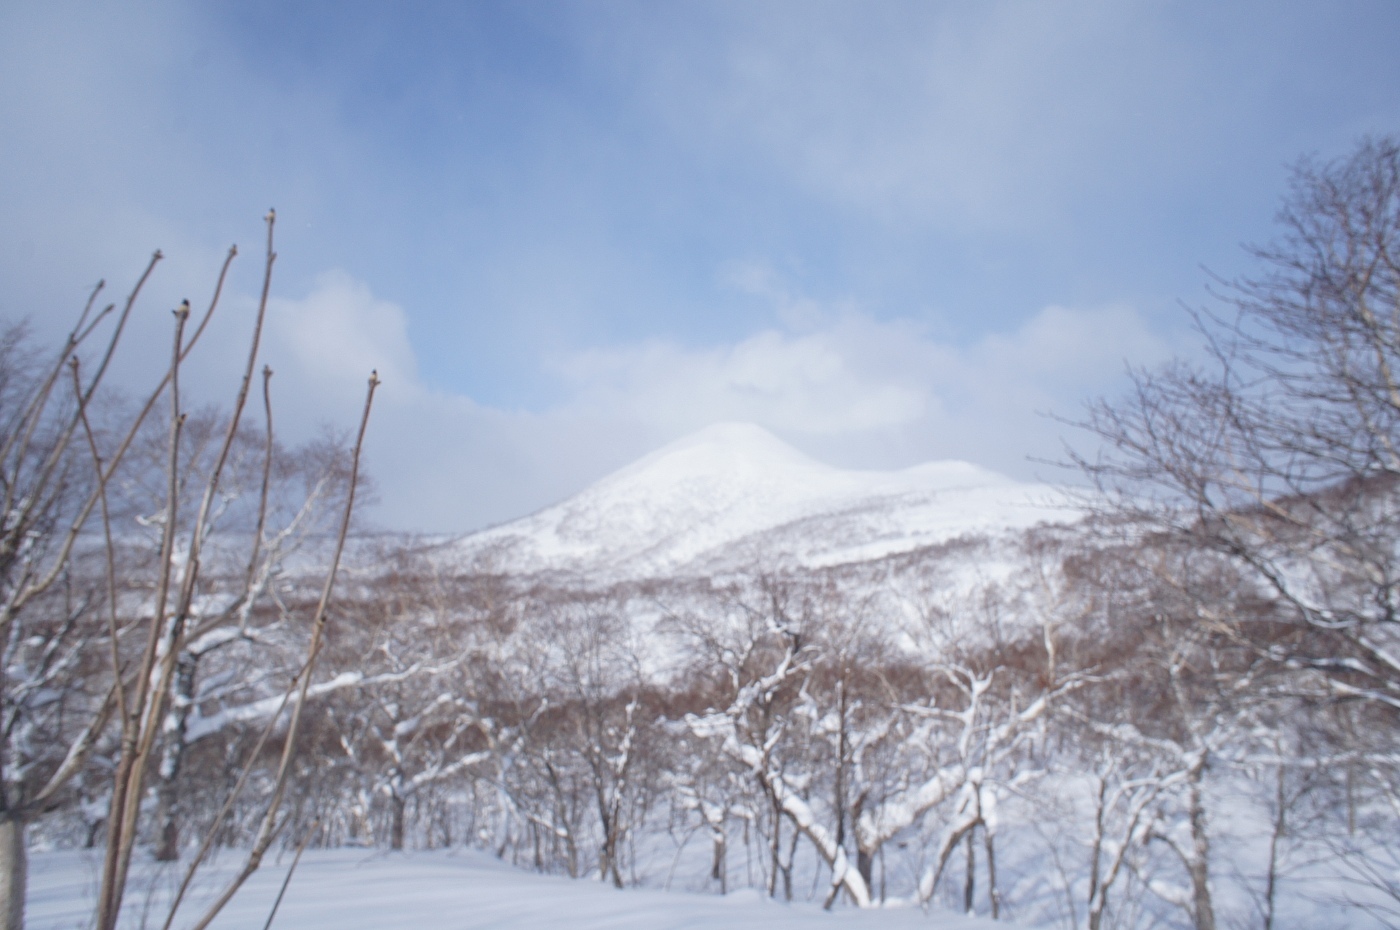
[357,889]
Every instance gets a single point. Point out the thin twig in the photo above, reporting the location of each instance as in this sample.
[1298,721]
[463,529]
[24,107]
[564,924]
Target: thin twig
[233,795]
[301,848]
[266,480]
[75,529]
[117,683]
[269,826]
[125,805]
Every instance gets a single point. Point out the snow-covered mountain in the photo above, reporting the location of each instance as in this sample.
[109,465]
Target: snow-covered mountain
[735,497]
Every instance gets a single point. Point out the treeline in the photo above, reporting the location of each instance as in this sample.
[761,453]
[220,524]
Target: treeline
[1072,744]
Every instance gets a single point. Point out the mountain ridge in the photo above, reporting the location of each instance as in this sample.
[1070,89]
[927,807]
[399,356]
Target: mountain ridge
[733,496]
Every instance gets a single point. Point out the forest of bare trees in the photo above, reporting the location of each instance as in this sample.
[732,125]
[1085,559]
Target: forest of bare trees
[1180,711]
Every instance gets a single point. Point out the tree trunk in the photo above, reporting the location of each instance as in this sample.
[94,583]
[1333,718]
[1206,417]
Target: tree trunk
[94,827]
[865,858]
[719,869]
[14,872]
[775,847]
[446,829]
[615,838]
[993,893]
[865,865]
[787,869]
[1202,909]
[607,853]
[172,757]
[1096,894]
[1280,824]
[570,844]
[970,886]
[396,805]
[614,853]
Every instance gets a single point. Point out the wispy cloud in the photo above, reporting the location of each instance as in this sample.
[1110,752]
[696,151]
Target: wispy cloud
[992,116]
[807,383]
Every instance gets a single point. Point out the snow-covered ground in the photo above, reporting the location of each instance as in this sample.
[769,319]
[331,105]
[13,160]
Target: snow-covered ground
[733,496]
[357,889]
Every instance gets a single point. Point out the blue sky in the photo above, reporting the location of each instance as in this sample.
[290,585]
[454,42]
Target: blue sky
[569,232]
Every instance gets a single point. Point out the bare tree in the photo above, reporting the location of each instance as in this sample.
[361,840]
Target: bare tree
[113,650]
[854,745]
[48,499]
[1282,454]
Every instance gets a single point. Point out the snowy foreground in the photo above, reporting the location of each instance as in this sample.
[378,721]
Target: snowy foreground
[347,889]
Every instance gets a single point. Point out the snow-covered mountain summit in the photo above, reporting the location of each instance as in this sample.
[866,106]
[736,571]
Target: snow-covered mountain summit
[734,496]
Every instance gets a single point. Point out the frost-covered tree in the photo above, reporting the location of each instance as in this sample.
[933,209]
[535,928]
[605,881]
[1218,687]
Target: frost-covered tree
[1279,455]
[107,621]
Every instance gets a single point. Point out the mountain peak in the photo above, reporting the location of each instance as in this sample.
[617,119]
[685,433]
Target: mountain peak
[730,449]
[735,493]
[731,434]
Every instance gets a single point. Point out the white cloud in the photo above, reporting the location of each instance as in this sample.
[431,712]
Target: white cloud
[848,387]
[760,279]
[808,383]
[440,461]
[880,393]
[340,332]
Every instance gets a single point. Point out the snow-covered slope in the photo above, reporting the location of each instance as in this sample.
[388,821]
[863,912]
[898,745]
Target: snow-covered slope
[733,496]
[355,889]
